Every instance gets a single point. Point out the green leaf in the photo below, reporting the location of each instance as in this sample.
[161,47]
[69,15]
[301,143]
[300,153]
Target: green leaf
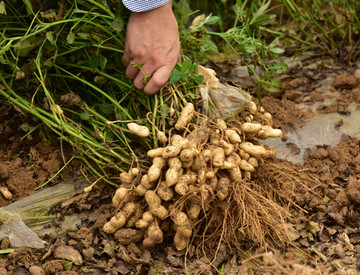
[48,63]
[185,77]
[260,16]
[273,43]
[249,48]
[83,35]
[272,85]
[189,85]
[70,38]
[110,136]
[98,60]
[185,66]
[210,20]
[182,11]
[326,199]
[178,67]
[26,127]
[50,37]
[106,108]
[103,62]
[2,8]
[291,5]
[84,116]
[175,76]
[24,47]
[6,251]
[3,61]
[100,80]
[122,115]
[278,68]
[67,265]
[193,69]
[96,37]
[263,20]
[199,79]
[277,50]
[210,47]
[117,24]
[29,7]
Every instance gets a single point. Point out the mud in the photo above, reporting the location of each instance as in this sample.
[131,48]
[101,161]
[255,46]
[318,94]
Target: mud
[22,170]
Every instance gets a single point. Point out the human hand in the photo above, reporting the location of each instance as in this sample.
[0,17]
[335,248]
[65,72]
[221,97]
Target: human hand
[152,41]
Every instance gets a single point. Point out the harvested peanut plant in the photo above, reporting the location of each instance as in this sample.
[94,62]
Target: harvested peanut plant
[200,184]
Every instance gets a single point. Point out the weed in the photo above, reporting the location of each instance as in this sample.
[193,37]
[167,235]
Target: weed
[186,73]
[331,27]
[244,37]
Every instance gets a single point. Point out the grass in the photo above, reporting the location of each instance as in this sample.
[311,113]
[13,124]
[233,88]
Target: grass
[245,36]
[328,27]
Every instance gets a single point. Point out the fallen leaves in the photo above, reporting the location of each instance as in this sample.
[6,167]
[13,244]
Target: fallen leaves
[66,252]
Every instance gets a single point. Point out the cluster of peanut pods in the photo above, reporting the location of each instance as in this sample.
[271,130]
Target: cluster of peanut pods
[187,170]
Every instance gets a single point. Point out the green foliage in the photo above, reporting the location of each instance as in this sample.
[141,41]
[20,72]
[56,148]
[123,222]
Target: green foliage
[331,27]
[245,37]
[48,52]
[196,44]
[186,73]
[67,265]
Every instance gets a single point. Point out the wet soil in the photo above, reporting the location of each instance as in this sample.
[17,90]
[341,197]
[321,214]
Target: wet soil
[324,226]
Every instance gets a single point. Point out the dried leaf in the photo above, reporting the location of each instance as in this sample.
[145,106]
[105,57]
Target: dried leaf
[292,232]
[2,8]
[347,242]
[120,267]
[321,256]
[109,250]
[128,258]
[312,227]
[68,253]
[70,99]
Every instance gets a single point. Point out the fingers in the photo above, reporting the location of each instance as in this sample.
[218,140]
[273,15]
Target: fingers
[143,76]
[132,71]
[158,80]
[126,58]
[146,78]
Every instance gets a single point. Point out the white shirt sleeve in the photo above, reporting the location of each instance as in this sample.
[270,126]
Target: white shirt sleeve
[144,5]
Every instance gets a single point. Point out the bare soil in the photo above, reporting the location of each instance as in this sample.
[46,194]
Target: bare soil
[324,226]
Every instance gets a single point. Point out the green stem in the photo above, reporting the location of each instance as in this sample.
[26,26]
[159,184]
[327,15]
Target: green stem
[57,173]
[112,100]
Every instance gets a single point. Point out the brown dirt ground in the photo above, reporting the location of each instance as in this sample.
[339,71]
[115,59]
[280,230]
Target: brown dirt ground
[325,223]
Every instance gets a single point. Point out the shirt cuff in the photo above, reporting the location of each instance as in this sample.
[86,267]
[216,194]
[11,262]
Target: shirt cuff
[143,5]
